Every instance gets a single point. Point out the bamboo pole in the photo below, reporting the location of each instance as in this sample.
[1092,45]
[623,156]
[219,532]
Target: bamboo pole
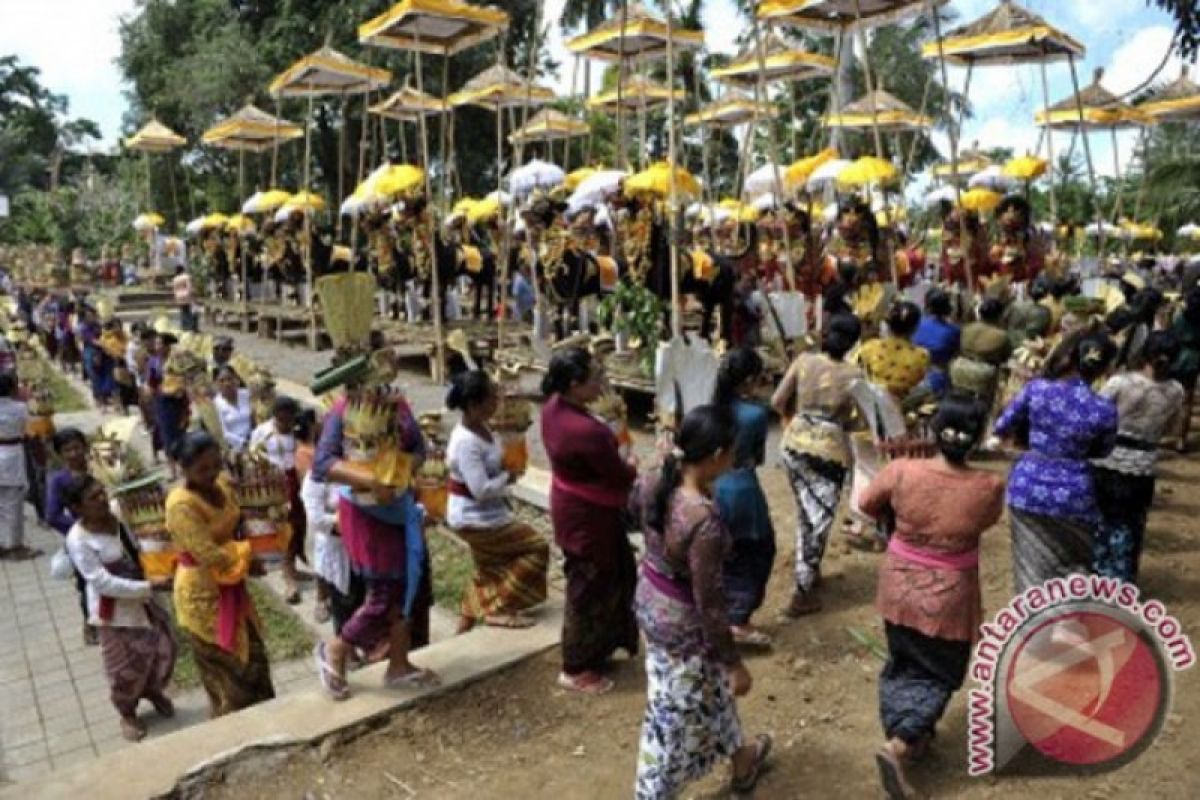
[1052,167]
[673,209]
[275,147]
[622,160]
[862,39]
[242,246]
[1102,244]
[962,222]
[439,346]
[308,266]
[443,126]
[773,148]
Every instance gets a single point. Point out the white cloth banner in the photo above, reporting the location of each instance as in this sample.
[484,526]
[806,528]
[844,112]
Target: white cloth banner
[690,365]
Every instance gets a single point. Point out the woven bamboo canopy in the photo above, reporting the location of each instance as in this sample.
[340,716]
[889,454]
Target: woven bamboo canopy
[644,37]
[781,61]
[1009,34]
[548,125]
[154,137]
[841,15]
[251,129]
[327,71]
[969,163]
[408,105]
[887,113]
[638,92]
[732,110]
[499,87]
[1100,109]
[443,27]
[1178,101]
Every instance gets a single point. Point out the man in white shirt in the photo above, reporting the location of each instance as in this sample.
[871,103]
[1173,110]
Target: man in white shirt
[181,286]
[13,415]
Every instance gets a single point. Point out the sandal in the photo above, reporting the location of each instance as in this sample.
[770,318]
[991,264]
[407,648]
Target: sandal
[133,729]
[333,683]
[746,783]
[589,683]
[802,604]
[514,621]
[163,706]
[750,637]
[891,776]
[417,679]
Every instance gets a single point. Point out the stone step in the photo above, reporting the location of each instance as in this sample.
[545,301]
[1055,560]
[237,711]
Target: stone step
[158,764]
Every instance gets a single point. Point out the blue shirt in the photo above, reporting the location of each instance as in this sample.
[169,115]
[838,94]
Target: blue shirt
[939,337]
[1068,424]
[523,295]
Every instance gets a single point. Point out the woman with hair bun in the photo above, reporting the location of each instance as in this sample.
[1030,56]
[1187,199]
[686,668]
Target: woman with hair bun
[1149,406]
[929,593]
[740,497]
[1051,493]
[894,362]
[510,557]
[693,668]
[815,396]
[588,492]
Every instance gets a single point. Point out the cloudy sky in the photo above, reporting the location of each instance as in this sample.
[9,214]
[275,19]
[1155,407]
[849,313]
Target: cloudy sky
[76,55]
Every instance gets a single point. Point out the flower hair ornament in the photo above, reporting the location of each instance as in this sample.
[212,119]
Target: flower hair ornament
[954,436]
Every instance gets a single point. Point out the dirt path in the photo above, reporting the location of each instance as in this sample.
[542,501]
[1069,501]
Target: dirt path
[518,736]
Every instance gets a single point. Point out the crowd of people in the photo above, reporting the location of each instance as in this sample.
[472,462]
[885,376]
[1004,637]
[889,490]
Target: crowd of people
[1086,393]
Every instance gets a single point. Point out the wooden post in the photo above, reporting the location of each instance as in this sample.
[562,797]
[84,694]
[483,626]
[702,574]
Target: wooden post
[1102,244]
[1052,167]
[439,364]
[672,202]
[962,222]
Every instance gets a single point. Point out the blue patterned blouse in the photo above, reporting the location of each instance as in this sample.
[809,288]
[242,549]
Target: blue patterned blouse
[1068,424]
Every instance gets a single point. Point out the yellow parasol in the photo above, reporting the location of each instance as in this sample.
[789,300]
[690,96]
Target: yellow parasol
[1009,34]
[800,171]
[213,220]
[743,212]
[240,223]
[657,179]
[643,36]
[868,171]
[442,27]
[1178,101]
[982,201]
[1026,168]
[499,88]
[148,221]
[392,180]
[548,125]
[841,15]
[305,201]
[487,208]
[732,110]
[577,177]
[637,93]
[878,110]
[265,202]
[780,61]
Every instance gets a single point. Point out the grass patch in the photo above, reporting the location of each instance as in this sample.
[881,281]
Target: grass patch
[453,569]
[286,636]
[66,398]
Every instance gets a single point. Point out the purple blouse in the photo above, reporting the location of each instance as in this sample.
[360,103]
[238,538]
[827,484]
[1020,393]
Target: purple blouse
[680,601]
[1068,424]
[57,515]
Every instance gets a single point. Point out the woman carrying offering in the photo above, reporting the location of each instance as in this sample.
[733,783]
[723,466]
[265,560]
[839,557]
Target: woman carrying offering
[234,408]
[511,558]
[815,397]
[929,592]
[589,490]
[1149,406]
[1051,495]
[135,633]
[212,604]
[381,526]
[740,497]
[692,664]
[894,362]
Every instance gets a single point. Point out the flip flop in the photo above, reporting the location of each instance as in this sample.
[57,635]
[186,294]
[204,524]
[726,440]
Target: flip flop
[589,683]
[514,621]
[417,679]
[752,638]
[745,784]
[894,785]
[335,685]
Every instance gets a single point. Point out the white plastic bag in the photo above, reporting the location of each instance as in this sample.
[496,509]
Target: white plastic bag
[688,369]
[61,567]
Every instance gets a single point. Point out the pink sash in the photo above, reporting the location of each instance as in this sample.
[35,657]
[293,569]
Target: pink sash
[968,559]
[233,606]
